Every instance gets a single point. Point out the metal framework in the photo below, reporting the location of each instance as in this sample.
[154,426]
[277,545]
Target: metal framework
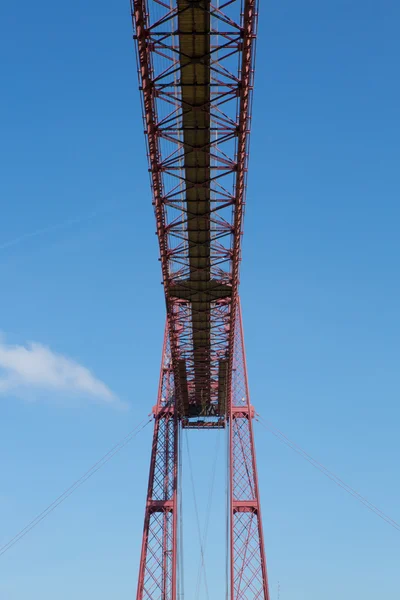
[196,67]
[195,72]
[159,556]
[158,563]
[247,553]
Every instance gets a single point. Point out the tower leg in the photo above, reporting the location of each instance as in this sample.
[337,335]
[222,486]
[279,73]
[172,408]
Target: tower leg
[157,572]
[248,572]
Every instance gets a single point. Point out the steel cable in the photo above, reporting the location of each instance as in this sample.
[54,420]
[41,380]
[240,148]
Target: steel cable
[72,488]
[197,514]
[208,512]
[329,474]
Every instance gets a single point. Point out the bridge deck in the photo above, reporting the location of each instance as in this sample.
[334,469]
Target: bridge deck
[195,69]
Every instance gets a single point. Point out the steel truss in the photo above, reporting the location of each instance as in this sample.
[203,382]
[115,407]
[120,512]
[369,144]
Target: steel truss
[158,562]
[196,65]
[248,569]
[159,557]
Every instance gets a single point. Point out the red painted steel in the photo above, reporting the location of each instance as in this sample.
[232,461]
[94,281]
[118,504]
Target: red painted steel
[248,569]
[158,561]
[196,67]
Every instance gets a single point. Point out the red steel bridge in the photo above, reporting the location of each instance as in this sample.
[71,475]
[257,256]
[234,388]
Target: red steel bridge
[196,68]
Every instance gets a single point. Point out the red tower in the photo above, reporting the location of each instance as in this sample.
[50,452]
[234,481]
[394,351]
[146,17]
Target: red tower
[196,68]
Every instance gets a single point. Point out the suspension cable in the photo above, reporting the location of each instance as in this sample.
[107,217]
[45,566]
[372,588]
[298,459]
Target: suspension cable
[72,488]
[197,514]
[329,474]
[201,567]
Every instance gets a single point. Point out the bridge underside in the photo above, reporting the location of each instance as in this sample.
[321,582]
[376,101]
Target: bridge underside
[196,116]
[200,290]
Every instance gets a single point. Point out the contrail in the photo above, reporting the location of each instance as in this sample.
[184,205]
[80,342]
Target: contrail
[49,229]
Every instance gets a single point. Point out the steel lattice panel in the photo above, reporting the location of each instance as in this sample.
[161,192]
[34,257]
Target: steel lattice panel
[243,474]
[248,581]
[158,572]
[248,565]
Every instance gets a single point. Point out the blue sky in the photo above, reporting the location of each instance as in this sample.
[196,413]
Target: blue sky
[320,295]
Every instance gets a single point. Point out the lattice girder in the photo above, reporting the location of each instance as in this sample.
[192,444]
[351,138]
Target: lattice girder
[195,62]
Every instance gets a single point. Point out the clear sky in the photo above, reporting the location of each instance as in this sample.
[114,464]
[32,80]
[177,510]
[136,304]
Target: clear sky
[80,289]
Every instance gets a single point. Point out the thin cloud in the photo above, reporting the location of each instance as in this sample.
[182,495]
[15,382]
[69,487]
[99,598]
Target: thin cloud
[34,366]
[38,232]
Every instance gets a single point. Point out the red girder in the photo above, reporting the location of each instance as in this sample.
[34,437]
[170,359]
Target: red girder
[195,64]
[249,33]
[196,67]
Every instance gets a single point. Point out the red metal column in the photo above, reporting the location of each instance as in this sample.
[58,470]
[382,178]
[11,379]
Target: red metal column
[248,573]
[158,561]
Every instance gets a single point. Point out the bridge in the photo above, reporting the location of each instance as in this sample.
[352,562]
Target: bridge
[196,68]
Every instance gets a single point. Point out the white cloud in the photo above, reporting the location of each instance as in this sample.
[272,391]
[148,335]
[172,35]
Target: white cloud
[35,366]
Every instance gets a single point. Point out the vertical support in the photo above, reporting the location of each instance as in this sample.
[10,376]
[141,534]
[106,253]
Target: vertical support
[158,561]
[248,570]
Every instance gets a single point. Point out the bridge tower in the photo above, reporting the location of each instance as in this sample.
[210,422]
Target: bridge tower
[196,68]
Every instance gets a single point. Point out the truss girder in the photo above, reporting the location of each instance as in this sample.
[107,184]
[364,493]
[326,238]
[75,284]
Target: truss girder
[196,64]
